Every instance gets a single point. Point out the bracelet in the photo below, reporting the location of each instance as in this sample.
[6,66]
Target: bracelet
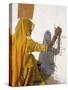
[54,36]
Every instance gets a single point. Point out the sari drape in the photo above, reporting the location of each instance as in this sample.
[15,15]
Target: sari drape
[23,65]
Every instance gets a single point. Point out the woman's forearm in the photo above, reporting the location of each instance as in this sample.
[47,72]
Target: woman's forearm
[52,41]
[58,46]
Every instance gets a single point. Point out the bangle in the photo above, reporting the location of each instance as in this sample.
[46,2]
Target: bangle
[55,36]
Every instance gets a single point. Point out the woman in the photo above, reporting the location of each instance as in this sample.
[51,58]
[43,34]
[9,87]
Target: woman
[46,59]
[24,68]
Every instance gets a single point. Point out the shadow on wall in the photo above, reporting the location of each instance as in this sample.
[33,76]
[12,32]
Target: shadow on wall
[46,59]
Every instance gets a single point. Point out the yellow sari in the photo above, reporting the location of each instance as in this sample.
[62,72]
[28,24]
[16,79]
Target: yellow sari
[23,65]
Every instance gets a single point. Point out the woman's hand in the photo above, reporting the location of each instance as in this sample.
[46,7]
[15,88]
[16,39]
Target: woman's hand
[58,31]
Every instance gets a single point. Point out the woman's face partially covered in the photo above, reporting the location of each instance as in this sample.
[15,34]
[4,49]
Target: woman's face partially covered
[26,11]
